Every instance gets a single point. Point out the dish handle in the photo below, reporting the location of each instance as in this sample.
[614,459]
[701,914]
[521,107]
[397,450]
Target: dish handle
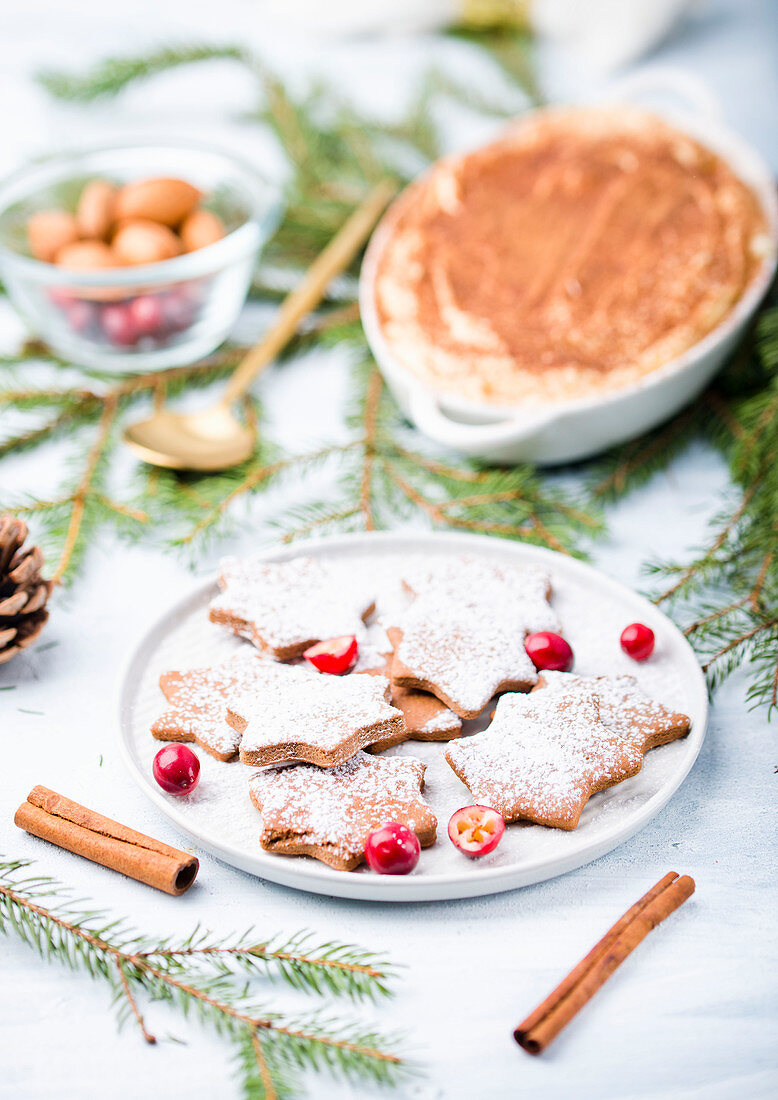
[474,440]
[667,85]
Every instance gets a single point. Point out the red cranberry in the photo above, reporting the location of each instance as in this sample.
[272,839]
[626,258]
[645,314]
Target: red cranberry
[147,315]
[637,641]
[549,651]
[118,324]
[476,830]
[81,315]
[176,769]
[60,297]
[178,311]
[392,850]
[336,656]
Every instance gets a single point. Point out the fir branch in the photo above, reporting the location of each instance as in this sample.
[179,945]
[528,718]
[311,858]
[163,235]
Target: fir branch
[708,559]
[634,463]
[512,48]
[80,497]
[151,1039]
[726,593]
[370,419]
[341,969]
[58,423]
[199,978]
[729,589]
[113,75]
[248,479]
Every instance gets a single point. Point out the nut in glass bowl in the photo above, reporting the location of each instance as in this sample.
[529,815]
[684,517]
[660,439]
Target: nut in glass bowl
[146,295]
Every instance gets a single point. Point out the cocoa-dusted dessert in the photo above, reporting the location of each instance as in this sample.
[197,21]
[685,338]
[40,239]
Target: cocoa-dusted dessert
[584,249]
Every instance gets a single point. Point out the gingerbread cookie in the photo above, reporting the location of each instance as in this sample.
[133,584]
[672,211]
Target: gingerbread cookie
[545,754]
[198,709]
[463,637]
[426,718]
[328,813]
[285,607]
[296,714]
[623,707]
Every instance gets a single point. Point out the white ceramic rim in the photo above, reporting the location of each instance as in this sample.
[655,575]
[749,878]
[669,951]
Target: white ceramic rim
[263,217]
[315,877]
[745,162]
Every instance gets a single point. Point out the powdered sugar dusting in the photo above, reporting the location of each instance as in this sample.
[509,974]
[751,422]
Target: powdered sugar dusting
[441,722]
[593,613]
[198,701]
[289,604]
[465,631]
[335,808]
[624,708]
[543,755]
[291,703]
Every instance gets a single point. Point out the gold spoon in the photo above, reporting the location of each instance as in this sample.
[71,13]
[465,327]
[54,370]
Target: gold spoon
[214,439]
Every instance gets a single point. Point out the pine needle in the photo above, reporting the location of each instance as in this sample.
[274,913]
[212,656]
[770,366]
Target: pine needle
[726,593]
[206,977]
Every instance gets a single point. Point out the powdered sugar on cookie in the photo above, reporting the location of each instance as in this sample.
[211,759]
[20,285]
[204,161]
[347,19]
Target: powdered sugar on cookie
[198,711]
[624,708]
[328,813]
[285,607]
[445,721]
[426,718]
[296,714]
[544,755]
[463,637]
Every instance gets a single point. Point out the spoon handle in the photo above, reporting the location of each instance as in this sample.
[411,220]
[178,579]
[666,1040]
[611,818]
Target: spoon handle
[335,257]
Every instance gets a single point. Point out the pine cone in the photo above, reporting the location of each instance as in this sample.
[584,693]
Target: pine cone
[23,592]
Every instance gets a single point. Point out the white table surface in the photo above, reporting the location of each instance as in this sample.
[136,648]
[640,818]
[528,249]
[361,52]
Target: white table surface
[691,1014]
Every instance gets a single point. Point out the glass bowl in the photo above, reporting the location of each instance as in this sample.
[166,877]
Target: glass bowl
[147,316]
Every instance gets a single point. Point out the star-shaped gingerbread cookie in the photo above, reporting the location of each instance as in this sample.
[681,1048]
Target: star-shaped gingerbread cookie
[546,753]
[284,607]
[328,813]
[293,713]
[198,710]
[462,638]
[426,718]
[623,707]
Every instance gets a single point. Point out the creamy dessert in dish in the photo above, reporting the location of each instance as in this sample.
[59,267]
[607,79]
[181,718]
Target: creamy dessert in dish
[582,250]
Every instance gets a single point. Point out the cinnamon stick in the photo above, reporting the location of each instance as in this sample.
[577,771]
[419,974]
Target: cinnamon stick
[69,825]
[544,1024]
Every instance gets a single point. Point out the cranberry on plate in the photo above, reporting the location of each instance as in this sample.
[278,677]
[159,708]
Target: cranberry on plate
[476,830]
[335,656]
[637,641]
[549,651]
[176,769]
[392,850]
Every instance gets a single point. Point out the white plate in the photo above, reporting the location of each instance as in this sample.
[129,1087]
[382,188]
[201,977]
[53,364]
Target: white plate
[593,609]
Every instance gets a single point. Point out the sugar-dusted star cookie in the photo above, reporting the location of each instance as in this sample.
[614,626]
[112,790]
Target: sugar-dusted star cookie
[426,718]
[328,813]
[623,707]
[545,754]
[284,607]
[198,710]
[462,639]
[293,713]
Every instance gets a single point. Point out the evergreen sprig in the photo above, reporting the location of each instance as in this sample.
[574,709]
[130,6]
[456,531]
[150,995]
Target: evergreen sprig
[727,594]
[206,977]
[382,473]
[113,75]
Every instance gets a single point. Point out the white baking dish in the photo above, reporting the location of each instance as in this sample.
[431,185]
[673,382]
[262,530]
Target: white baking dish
[566,432]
